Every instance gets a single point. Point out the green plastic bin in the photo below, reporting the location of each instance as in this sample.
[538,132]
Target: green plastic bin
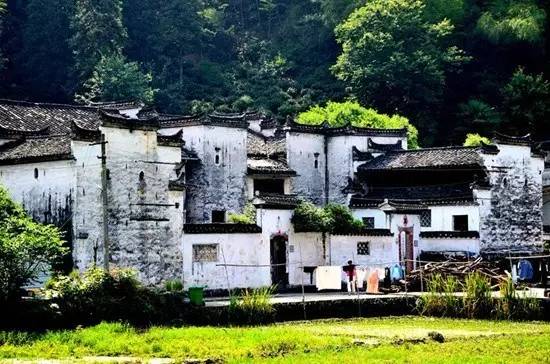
[196,295]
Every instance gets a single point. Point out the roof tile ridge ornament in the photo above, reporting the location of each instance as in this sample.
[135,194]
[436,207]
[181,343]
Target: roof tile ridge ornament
[13,143]
[116,119]
[488,148]
[46,105]
[80,133]
[172,140]
[512,140]
[385,147]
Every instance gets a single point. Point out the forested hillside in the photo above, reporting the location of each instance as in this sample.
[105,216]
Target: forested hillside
[449,66]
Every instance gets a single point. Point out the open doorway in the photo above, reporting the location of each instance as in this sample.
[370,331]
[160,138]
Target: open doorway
[279,275]
[406,248]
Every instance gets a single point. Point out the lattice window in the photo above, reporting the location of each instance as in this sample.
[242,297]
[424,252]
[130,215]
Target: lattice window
[363,248]
[205,253]
[368,222]
[426,218]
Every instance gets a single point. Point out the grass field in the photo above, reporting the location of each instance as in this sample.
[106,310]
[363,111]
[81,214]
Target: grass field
[403,339]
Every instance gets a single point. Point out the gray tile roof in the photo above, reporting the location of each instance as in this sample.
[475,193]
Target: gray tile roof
[276,201]
[259,145]
[269,166]
[426,158]
[28,116]
[28,149]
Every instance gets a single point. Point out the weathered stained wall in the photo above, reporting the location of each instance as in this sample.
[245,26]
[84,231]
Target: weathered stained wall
[302,149]
[239,249]
[47,198]
[211,185]
[145,224]
[512,222]
[87,219]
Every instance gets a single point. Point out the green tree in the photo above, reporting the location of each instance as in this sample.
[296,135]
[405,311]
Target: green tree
[508,21]
[114,78]
[2,10]
[27,248]
[46,62]
[396,60]
[338,114]
[476,140]
[98,31]
[527,104]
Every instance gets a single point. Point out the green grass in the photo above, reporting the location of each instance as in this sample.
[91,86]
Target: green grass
[403,339]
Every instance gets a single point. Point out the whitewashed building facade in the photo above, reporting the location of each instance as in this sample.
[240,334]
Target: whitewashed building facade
[171,182]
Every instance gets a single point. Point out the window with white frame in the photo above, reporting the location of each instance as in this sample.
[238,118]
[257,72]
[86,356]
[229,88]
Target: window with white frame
[363,248]
[205,253]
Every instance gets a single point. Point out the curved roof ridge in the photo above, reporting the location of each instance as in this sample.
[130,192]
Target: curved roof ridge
[47,104]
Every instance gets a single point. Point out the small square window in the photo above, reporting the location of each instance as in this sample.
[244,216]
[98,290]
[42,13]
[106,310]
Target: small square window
[218,216]
[460,222]
[368,222]
[363,248]
[205,253]
[426,218]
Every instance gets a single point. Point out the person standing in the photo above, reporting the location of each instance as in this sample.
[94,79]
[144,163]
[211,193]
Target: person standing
[351,273]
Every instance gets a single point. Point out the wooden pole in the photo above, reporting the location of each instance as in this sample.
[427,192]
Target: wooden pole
[105,201]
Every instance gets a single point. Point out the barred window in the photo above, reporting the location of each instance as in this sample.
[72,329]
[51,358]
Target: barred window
[363,248]
[205,253]
[426,218]
[368,222]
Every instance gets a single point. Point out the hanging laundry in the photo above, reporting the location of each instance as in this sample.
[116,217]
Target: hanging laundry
[372,283]
[387,277]
[514,273]
[328,277]
[525,270]
[361,277]
[397,273]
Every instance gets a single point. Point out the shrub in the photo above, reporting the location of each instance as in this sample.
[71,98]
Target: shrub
[27,248]
[309,218]
[510,306]
[98,295]
[252,306]
[339,114]
[247,217]
[440,299]
[476,140]
[478,302]
[332,218]
[173,285]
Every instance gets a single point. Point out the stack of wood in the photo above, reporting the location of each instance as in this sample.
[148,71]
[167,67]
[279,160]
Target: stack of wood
[459,269]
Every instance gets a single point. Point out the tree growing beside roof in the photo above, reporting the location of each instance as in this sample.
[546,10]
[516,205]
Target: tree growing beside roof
[27,248]
[339,114]
[476,140]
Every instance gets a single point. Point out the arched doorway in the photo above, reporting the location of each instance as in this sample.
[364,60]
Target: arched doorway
[279,275]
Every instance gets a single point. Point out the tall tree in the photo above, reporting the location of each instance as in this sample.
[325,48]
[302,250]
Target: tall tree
[45,59]
[2,10]
[114,78]
[527,104]
[396,60]
[97,31]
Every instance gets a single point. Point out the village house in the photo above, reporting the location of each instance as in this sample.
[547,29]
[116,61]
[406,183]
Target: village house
[159,190]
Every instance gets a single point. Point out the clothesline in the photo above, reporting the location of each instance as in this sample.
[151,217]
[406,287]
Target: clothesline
[529,257]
